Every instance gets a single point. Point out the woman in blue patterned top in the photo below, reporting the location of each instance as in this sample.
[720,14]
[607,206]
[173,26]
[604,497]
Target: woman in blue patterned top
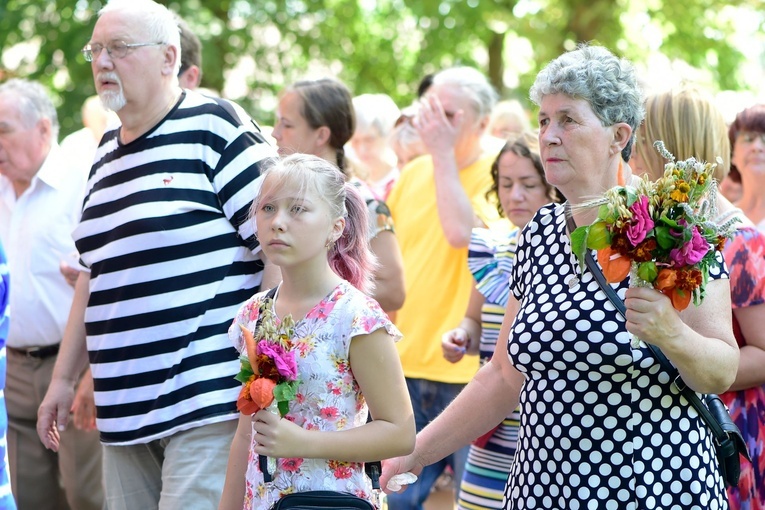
[6,497]
[520,189]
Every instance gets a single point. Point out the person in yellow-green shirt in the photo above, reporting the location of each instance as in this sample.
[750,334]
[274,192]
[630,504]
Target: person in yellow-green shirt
[437,201]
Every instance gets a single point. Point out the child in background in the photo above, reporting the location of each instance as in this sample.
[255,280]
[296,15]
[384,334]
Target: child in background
[313,225]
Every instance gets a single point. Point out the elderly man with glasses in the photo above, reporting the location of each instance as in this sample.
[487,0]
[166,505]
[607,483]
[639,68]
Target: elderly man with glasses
[167,257]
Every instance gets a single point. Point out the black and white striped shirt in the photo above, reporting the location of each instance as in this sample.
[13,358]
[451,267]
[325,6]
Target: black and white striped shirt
[172,256]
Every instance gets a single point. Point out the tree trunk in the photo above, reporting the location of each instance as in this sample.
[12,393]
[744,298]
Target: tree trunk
[496,64]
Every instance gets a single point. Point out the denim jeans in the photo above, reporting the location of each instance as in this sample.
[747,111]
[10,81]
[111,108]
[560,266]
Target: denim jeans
[429,398]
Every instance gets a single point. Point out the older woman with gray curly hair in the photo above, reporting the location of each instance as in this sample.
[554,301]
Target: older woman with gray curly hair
[602,425]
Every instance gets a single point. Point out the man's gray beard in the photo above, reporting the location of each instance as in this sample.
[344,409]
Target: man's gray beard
[113,101]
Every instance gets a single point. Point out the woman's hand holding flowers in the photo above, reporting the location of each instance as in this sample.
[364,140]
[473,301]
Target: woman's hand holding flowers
[652,318]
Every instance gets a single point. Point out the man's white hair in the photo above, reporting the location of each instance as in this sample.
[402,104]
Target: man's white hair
[159,23]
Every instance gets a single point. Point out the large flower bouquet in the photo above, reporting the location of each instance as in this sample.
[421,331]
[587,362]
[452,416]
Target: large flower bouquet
[660,233]
[269,370]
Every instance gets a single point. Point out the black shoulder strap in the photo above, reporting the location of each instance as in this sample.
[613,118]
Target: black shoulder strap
[685,391]
[262,459]
[272,292]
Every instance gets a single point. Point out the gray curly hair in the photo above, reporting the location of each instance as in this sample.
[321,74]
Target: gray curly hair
[608,83]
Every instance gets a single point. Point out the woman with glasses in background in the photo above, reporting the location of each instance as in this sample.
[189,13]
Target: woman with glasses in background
[747,138]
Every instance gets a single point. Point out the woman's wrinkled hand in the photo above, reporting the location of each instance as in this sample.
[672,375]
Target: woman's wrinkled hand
[397,466]
[651,316]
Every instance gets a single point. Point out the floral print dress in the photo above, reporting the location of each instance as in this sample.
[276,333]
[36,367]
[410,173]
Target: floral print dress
[328,397]
[745,256]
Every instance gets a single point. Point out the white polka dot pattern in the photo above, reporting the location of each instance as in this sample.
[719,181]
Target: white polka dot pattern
[601,424]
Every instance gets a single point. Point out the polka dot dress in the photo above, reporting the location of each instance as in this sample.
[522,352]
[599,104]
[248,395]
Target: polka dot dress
[602,426]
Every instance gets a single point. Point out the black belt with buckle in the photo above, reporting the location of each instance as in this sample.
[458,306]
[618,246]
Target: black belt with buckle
[43,352]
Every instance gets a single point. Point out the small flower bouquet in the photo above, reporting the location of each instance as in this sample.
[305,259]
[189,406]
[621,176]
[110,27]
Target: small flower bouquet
[660,233]
[269,370]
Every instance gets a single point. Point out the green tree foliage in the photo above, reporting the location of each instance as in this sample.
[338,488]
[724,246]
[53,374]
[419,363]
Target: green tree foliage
[372,45]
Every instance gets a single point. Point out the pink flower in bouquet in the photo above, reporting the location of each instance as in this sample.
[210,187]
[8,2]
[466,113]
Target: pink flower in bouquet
[283,359]
[691,252]
[641,222]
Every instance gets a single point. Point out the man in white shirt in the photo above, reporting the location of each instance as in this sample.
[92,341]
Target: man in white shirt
[40,197]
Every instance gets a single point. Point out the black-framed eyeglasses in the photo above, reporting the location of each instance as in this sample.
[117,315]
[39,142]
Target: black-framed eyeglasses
[115,49]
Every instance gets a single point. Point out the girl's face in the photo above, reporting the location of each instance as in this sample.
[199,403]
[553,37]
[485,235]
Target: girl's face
[294,225]
[521,189]
[291,130]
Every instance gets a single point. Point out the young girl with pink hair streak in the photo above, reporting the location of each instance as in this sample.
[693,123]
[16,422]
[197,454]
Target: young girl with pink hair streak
[313,225]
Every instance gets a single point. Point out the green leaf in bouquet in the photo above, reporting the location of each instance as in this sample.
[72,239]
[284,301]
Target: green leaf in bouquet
[286,390]
[664,237]
[607,213]
[598,236]
[632,195]
[648,271]
[243,376]
[666,220]
[579,243]
[245,370]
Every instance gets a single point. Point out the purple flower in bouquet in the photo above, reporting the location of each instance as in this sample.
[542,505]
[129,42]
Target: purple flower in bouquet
[641,222]
[282,358]
[691,252]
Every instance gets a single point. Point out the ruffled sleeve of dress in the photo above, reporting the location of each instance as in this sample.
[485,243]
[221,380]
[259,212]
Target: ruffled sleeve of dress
[368,317]
[490,260]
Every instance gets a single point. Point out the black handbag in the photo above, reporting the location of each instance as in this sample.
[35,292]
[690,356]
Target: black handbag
[311,500]
[729,443]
